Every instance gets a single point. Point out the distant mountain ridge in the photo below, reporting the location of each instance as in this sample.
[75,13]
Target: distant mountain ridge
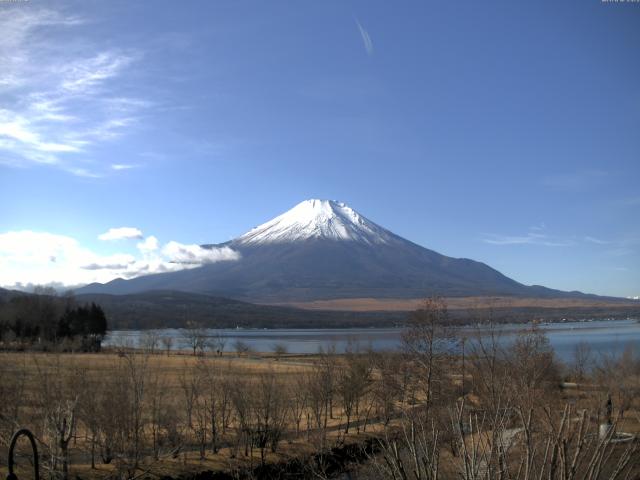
[323,249]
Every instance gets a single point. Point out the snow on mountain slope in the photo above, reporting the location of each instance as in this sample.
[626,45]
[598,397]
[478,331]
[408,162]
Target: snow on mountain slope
[315,219]
[323,249]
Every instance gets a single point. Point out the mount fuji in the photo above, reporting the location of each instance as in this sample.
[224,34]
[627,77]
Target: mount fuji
[323,250]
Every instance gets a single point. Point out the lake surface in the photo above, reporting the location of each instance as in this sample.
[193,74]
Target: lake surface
[603,336]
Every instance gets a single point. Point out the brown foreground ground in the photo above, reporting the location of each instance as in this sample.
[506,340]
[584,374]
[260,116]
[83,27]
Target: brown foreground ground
[136,414]
[177,391]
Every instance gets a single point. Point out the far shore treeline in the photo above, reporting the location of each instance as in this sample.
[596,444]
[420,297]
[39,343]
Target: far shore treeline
[68,318]
[48,321]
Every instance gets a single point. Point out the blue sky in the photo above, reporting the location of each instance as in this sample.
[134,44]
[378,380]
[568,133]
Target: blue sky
[506,132]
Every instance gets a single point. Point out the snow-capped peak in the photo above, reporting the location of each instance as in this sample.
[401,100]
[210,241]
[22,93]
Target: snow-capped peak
[317,219]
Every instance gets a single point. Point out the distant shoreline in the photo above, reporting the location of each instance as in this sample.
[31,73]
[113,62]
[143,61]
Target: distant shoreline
[503,326]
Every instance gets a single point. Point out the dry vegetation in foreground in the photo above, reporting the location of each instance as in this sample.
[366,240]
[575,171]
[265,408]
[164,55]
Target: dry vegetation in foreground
[435,411]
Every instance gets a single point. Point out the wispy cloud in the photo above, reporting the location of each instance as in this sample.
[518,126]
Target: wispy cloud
[631,201]
[597,241]
[366,39]
[59,102]
[531,238]
[536,235]
[84,75]
[619,252]
[622,247]
[575,181]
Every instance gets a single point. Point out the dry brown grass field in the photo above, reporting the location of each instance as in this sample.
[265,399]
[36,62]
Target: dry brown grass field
[455,303]
[125,414]
[78,375]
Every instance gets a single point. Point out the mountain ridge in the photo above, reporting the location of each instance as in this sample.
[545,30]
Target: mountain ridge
[324,249]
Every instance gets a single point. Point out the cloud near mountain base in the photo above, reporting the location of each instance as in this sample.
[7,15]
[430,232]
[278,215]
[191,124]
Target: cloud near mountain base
[30,258]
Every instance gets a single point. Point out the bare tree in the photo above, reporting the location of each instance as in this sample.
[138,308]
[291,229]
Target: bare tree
[122,400]
[387,388]
[582,360]
[566,450]
[60,423]
[149,341]
[241,347]
[225,406]
[156,406]
[326,364]
[215,400]
[488,365]
[354,379]
[620,374]
[533,372]
[299,399]
[167,343]
[58,404]
[430,342]
[269,413]
[88,407]
[218,343]
[201,407]
[241,397]
[190,388]
[12,389]
[279,349]
[196,338]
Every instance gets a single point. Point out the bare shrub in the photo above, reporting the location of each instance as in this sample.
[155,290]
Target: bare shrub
[279,349]
[241,347]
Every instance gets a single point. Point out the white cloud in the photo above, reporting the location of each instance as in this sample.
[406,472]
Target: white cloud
[366,39]
[59,101]
[83,172]
[121,233]
[112,262]
[32,258]
[122,166]
[150,244]
[196,255]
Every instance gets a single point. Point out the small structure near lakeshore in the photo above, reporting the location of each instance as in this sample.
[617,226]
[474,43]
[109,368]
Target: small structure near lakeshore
[604,431]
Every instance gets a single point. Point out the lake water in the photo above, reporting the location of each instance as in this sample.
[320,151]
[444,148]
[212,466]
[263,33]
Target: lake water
[603,336]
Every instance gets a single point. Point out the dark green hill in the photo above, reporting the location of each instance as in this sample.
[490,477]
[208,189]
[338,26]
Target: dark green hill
[174,309]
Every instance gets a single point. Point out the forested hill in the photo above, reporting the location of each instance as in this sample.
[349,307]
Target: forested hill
[173,309]
[45,319]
